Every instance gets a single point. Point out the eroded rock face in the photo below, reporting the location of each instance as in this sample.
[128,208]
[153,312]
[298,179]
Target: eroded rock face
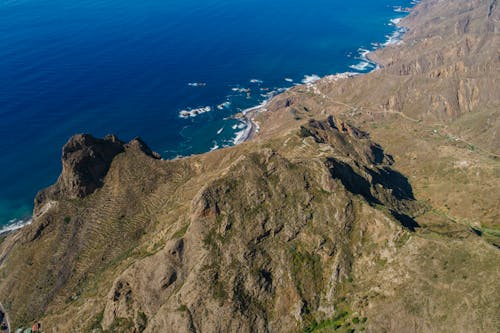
[347,141]
[85,162]
[306,227]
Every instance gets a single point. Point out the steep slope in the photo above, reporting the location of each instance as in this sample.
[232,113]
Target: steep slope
[271,239]
[267,237]
[311,226]
[434,105]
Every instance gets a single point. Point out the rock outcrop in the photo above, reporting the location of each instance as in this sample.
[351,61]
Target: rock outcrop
[310,227]
[267,243]
[85,162]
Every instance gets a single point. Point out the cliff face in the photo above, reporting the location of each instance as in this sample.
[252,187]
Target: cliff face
[311,226]
[85,162]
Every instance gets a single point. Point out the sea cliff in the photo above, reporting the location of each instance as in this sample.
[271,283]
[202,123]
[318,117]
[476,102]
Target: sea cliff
[364,203]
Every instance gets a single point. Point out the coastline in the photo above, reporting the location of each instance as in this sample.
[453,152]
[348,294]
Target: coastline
[252,127]
[312,150]
[248,116]
[14,226]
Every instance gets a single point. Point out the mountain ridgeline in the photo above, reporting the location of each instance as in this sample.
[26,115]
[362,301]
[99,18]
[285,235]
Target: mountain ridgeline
[363,204]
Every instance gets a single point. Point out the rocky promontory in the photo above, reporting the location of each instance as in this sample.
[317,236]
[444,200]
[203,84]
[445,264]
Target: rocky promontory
[366,203]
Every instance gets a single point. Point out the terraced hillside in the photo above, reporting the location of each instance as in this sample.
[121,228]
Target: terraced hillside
[363,204]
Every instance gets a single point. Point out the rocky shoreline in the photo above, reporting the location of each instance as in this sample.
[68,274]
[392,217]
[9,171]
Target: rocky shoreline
[363,202]
[249,116]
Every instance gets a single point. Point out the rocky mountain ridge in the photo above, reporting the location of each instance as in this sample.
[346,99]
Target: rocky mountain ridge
[310,227]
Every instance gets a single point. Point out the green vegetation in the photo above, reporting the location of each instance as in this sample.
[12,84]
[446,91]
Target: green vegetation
[333,323]
[121,325]
[218,291]
[181,232]
[211,242]
[182,308]
[96,322]
[403,239]
[142,321]
[276,219]
[381,262]
[304,132]
[307,272]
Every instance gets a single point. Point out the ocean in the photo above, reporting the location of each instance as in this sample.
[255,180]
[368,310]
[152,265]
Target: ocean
[171,72]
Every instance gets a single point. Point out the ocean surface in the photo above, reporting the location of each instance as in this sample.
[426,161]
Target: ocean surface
[169,71]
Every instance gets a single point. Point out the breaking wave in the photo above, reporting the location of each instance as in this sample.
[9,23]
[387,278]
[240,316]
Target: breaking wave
[15,224]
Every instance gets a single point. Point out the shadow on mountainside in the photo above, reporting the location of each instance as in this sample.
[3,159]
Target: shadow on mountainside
[379,186]
[394,181]
[352,181]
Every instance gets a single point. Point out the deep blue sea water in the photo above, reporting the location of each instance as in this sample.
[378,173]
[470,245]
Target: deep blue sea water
[124,67]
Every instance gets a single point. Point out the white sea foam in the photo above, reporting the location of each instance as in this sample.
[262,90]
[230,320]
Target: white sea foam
[308,79]
[214,147]
[361,66]
[243,134]
[399,9]
[363,53]
[392,39]
[241,90]
[271,93]
[220,131]
[244,126]
[340,76]
[395,21]
[194,112]
[364,63]
[395,37]
[224,105]
[253,108]
[15,224]
[197,84]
